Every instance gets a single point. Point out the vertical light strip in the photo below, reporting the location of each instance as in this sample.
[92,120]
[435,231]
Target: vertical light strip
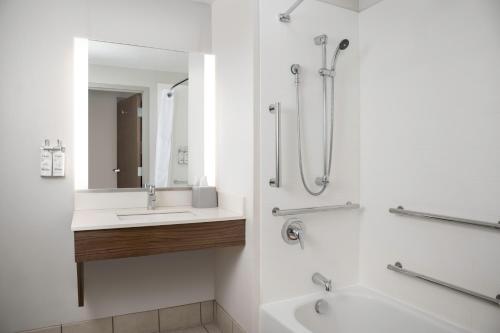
[80,113]
[209,130]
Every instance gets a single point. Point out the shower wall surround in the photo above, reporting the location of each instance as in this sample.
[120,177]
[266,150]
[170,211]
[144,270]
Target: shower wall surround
[430,98]
[331,239]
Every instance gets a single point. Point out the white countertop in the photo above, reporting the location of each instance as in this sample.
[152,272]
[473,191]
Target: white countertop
[108,218]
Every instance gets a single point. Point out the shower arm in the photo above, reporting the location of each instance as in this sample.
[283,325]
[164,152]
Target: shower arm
[285,17]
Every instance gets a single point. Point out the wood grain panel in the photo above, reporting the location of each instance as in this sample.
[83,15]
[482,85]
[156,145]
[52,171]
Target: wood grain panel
[142,241]
[80,282]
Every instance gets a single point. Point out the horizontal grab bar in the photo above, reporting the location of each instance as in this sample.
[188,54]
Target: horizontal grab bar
[283,212]
[398,267]
[401,211]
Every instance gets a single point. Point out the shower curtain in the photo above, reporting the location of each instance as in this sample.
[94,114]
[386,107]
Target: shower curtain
[164,136]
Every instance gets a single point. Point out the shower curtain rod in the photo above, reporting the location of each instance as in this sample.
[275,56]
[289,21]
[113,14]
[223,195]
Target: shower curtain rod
[178,83]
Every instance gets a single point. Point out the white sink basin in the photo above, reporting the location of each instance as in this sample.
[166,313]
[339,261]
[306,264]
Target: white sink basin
[155,217]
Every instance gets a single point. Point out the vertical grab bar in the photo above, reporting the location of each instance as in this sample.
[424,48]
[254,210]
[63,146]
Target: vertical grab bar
[276,110]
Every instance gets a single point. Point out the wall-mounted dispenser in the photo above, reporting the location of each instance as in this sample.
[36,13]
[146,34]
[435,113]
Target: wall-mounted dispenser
[46,159]
[52,159]
[58,160]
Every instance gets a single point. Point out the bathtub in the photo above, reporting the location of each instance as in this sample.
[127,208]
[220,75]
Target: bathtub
[353,309]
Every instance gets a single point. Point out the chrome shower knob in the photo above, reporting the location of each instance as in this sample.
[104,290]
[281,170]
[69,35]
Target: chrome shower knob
[293,232]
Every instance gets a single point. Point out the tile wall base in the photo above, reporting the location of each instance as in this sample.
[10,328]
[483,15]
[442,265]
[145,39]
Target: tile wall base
[203,317]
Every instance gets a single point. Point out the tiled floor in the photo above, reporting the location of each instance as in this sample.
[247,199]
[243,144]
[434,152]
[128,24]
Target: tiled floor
[199,329]
[212,328]
[203,317]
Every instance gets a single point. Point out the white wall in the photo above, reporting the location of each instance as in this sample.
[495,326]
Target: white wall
[430,101]
[331,241]
[38,275]
[234,45]
[171,24]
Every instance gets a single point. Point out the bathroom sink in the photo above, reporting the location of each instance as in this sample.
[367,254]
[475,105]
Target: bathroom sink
[155,217]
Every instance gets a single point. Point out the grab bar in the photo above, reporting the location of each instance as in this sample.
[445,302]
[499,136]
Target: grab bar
[398,268]
[401,211]
[276,109]
[284,212]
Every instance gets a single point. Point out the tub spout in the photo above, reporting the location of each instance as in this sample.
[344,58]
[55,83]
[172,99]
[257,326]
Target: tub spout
[320,280]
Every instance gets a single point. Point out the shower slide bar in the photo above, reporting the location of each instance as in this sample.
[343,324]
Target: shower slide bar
[276,110]
[398,268]
[284,212]
[285,17]
[401,211]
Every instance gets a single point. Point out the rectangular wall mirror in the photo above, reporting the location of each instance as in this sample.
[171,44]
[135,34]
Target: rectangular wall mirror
[150,117]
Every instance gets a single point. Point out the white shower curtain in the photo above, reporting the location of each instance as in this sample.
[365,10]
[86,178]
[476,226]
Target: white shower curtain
[164,135]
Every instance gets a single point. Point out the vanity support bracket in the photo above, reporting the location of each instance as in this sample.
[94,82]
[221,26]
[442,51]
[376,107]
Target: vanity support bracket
[80,282]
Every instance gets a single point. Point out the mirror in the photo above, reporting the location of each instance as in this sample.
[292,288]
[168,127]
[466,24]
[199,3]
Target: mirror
[150,116]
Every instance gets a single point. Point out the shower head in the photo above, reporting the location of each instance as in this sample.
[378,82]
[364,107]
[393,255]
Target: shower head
[344,44]
[169,94]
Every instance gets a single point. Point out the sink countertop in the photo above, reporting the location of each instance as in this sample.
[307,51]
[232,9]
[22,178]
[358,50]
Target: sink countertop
[108,218]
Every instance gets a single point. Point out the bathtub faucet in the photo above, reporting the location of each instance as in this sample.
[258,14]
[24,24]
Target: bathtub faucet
[320,280]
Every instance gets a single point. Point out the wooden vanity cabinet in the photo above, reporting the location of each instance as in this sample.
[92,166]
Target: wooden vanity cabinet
[105,244]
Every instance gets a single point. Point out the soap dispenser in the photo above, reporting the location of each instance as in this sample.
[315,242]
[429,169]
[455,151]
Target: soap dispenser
[58,160]
[46,159]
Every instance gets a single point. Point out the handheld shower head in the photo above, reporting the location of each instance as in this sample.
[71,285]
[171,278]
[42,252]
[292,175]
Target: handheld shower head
[344,44]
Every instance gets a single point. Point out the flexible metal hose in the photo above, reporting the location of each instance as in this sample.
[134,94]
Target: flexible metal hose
[299,132]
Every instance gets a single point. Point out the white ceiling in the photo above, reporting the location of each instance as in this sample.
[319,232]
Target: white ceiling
[356,5]
[129,56]
[363,4]
[205,1]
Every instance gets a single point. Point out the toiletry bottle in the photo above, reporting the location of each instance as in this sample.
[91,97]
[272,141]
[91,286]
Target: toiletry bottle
[46,160]
[59,159]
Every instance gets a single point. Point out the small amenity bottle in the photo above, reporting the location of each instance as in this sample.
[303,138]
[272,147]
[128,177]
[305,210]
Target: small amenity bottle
[46,160]
[59,160]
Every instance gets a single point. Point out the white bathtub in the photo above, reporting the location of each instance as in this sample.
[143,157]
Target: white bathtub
[349,310]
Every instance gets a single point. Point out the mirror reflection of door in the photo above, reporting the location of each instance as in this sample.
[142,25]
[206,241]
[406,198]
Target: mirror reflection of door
[115,138]
[129,152]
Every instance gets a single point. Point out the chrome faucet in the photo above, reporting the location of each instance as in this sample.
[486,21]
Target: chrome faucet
[151,196]
[320,280]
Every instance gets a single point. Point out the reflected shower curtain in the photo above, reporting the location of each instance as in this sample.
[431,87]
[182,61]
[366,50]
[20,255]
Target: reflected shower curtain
[164,137]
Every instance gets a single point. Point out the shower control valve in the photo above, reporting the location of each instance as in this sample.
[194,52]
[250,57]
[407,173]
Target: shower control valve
[293,232]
